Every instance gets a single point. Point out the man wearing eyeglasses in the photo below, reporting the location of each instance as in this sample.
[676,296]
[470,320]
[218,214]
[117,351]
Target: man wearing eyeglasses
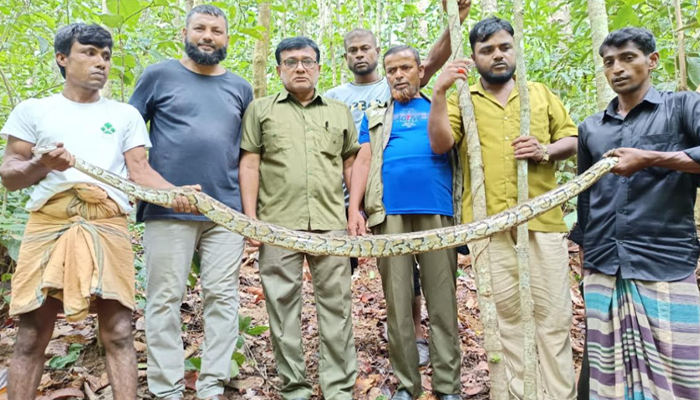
[295,145]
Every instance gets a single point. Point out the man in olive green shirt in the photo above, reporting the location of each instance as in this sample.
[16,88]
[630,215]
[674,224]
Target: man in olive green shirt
[296,145]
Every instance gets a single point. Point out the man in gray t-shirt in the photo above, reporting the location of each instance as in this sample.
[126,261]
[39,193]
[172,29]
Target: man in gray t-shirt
[360,96]
[195,108]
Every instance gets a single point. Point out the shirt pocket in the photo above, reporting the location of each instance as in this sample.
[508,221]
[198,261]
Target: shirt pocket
[331,141]
[660,142]
[539,123]
[276,136]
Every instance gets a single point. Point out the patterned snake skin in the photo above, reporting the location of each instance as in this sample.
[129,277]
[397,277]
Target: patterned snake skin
[351,246]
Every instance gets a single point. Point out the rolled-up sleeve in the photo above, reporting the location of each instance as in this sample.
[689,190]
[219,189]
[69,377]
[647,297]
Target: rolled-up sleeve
[251,140]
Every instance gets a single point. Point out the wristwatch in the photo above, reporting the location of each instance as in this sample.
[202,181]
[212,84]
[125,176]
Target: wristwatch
[545,155]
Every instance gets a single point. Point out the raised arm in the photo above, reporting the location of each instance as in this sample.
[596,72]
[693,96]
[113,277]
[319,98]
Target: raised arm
[441,50]
[439,127]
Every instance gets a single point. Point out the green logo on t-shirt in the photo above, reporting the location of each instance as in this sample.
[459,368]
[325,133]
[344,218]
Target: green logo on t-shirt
[107,129]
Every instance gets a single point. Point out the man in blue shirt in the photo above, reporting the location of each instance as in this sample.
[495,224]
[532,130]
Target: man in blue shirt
[639,239]
[394,161]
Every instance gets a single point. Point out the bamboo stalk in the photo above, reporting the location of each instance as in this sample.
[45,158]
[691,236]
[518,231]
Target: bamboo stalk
[599,30]
[479,249]
[680,38]
[260,52]
[522,248]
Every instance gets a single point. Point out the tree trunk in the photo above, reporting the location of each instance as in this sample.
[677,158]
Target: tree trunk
[479,249]
[562,17]
[342,22]
[682,68]
[423,24]
[378,23]
[361,13]
[107,88]
[283,25]
[304,6]
[522,248]
[599,30]
[260,52]
[489,7]
[408,24]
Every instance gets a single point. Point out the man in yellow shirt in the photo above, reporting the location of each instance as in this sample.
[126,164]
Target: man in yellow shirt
[497,111]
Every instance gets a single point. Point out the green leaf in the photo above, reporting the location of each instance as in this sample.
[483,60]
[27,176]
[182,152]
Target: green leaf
[124,8]
[235,369]
[60,362]
[111,20]
[6,277]
[244,323]
[142,366]
[626,16]
[252,32]
[193,364]
[238,357]
[694,70]
[12,245]
[191,280]
[240,342]
[279,8]
[257,330]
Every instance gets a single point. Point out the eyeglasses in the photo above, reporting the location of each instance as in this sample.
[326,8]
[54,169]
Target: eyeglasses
[307,63]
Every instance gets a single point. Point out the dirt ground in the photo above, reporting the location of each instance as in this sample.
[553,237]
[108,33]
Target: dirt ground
[258,379]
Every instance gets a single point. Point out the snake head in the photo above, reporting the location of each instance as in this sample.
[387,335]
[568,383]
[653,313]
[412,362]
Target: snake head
[41,150]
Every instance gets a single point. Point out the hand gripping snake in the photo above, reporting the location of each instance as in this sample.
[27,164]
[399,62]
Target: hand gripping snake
[350,246]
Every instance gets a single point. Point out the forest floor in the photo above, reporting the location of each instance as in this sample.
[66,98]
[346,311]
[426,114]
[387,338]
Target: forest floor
[257,380]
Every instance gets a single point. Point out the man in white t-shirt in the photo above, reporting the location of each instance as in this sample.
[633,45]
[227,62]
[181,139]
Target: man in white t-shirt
[369,89]
[76,252]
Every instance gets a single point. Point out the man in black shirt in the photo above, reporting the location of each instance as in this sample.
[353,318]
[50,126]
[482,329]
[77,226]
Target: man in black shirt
[639,239]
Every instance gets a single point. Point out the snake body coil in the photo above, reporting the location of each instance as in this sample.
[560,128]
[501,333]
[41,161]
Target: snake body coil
[355,246]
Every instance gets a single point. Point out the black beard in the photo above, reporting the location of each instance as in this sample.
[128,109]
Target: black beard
[370,68]
[497,79]
[203,58]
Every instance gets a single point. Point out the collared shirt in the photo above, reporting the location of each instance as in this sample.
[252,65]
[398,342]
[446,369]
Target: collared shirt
[498,126]
[302,150]
[642,227]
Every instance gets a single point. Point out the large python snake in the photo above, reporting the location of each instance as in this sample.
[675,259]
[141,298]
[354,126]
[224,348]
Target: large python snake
[351,246]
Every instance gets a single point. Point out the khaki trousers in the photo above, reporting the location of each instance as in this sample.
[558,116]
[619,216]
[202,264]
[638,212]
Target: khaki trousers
[549,279]
[169,246]
[438,276]
[281,271]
